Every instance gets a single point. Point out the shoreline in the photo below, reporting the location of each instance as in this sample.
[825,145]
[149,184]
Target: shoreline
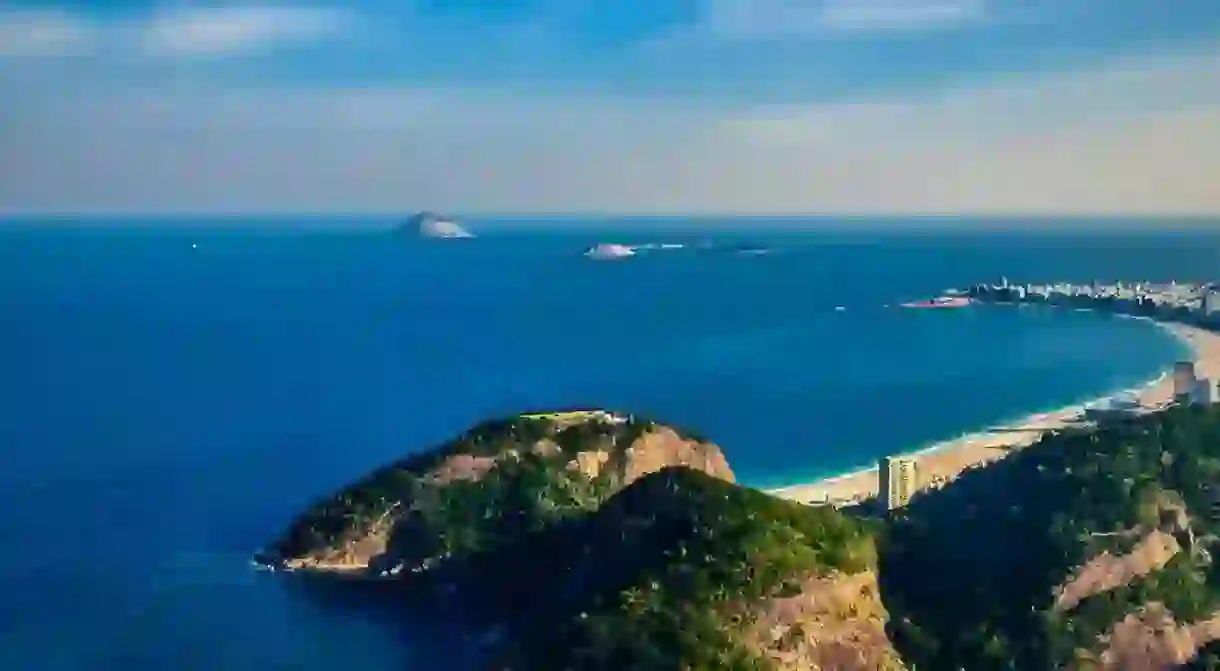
[944,460]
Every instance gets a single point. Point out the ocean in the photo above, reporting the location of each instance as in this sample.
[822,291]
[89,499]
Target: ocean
[171,393]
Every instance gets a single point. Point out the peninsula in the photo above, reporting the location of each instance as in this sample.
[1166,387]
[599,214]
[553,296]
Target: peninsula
[594,539]
[627,538]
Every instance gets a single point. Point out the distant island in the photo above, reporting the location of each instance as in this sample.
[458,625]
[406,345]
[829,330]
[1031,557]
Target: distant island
[609,252]
[1091,547]
[433,225]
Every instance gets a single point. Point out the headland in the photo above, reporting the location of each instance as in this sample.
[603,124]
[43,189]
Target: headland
[628,540]
[1190,311]
[1083,549]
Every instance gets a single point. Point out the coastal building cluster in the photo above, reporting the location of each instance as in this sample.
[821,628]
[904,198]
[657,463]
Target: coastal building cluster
[1194,302]
[1190,388]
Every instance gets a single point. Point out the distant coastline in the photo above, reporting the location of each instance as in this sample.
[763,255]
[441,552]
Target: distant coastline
[1183,314]
[835,488]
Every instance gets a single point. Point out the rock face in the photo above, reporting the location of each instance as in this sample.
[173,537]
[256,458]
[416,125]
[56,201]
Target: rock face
[1091,549]
[1150,639]
[835,622]
[1107,571]
[485,488]
[681,570]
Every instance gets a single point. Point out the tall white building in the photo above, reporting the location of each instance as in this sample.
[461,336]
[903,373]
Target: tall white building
[899,480]
[1205,392]
[1183,380]
[1211,302]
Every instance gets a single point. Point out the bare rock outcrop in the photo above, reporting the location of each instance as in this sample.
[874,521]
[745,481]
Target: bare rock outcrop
[1152,640]
[834,623]
[1107,571]
[402,516]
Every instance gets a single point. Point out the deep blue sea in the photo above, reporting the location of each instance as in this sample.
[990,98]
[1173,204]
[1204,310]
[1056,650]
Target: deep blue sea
[172,392]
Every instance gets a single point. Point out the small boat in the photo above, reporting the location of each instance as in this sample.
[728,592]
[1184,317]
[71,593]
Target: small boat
[750,249]
[606,252]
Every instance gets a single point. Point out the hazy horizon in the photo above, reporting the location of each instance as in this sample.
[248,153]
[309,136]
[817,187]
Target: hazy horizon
[586,222]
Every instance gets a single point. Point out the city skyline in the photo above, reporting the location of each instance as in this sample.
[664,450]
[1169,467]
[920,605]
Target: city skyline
[885,107]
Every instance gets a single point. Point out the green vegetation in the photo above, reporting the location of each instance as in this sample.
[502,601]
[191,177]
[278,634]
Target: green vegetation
[673,571]
[969,572]
[514,487]
[668,574]
[495,482]
[1208,659]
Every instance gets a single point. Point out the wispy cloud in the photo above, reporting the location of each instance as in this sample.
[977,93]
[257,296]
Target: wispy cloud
[168,33]
[236,30]
[1134,136]
[753,19]
[42,33]
[900,15]
[1019,104]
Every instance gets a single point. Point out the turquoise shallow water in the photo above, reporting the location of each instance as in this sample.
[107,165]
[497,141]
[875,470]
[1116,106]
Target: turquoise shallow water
[166,408]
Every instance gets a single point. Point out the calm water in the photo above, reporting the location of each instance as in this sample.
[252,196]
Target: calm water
[166,409]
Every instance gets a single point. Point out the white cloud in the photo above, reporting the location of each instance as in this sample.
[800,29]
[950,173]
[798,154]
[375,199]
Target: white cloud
[1020,104]
[42,33]
[754,19]
[232,30]
[170,33]
[1137,136]
[900,15]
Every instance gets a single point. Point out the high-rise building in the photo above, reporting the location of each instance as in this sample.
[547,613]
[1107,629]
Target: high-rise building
[899,479]
[1205,392]
[1183,381]
[1211,302]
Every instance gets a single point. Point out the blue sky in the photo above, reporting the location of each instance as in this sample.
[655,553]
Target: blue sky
[759,106]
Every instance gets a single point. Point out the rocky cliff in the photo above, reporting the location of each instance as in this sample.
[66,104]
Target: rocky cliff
[487,487]
[684,571]
[585,540]
[625,539]
[1091,549]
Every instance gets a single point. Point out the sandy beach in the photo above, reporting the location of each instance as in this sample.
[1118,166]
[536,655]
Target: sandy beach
[944,461]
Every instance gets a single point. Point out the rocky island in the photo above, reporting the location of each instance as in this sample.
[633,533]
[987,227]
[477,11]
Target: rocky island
[433,225]
[586,539]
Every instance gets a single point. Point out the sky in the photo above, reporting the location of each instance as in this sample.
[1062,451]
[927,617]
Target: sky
[1054,107]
